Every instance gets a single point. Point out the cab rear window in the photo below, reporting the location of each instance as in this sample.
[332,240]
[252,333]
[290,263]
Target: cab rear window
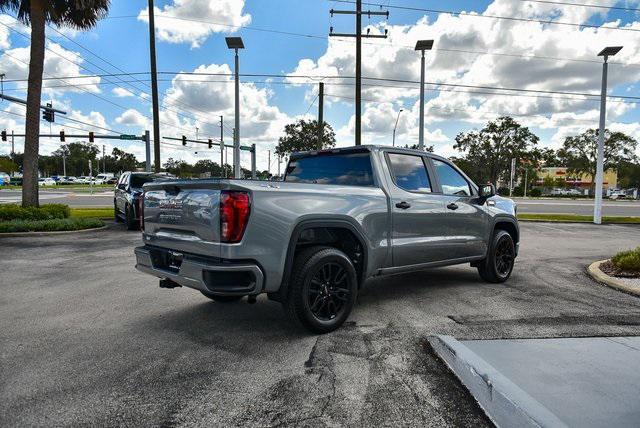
[351,169]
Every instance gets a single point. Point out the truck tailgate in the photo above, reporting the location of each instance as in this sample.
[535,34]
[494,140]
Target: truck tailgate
[183,216]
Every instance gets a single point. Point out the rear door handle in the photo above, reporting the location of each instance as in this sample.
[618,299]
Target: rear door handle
[403,205]
[452,206]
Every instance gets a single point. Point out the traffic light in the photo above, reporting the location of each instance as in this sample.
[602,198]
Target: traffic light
[48,114]
[91,136]
[4,135]
[62,136]
[210,145]
[184,140]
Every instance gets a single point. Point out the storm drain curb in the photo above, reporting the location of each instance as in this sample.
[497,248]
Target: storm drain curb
[504,402]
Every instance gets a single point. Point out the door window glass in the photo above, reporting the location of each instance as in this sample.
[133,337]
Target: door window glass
[409,172]
[452,182]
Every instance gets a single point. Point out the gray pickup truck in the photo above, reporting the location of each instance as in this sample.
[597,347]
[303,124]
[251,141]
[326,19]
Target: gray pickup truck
[340,217]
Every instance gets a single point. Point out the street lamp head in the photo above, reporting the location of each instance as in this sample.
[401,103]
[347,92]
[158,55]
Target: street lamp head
[401,110]
[424,45]
[234,42]
[610,51]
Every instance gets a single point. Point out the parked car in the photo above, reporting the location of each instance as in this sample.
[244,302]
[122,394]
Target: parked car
[574,192]
[68,179]
[105,177]
[5,179]
[617,194]
[112,180]
[127,195]
[339,218]
[46,182]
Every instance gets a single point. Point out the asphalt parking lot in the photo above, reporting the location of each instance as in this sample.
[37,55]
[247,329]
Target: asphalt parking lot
[87,340]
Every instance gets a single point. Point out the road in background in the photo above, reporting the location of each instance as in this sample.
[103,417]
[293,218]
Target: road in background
[104,198]
[577,206]
[100,197]
[88,340]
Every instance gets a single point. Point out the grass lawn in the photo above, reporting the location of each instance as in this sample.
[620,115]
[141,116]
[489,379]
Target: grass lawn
[50,218]
[102,213]
[577,218]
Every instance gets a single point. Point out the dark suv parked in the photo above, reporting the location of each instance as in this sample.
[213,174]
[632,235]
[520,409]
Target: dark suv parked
[127,193]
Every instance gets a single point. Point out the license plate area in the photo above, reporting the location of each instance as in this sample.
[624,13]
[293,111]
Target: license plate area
[167,260]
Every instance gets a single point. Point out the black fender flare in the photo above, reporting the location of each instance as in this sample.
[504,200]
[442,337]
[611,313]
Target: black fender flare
[303,225]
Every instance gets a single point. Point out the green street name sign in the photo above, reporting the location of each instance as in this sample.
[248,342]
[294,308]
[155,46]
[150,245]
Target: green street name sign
[128,137]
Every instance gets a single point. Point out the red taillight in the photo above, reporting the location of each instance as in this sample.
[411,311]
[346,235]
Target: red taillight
[234,214]
[141,211]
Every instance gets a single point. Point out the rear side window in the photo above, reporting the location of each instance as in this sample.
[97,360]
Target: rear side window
[410,172]
[452,182]
[351,169]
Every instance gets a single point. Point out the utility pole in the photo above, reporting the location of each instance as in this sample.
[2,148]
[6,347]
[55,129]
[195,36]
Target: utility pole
[64,163]
[358,35]
[154,88]
[222,146]
[13,145]
[147,150]
[320,113]
[104,161]
[236,43]
[268,162]
[513,170]
[279,159]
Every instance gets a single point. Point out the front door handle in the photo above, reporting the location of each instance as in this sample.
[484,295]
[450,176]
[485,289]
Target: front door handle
[452,206]
[403,205]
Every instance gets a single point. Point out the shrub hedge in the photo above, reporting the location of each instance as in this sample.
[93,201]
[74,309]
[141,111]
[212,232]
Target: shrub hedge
[627,261]
[11,212]
[51,225]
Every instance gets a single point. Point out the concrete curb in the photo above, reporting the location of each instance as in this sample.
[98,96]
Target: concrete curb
[601,277]
[503,401]
[59,232]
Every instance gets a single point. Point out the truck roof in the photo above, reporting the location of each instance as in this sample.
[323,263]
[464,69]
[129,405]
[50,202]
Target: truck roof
[364,147]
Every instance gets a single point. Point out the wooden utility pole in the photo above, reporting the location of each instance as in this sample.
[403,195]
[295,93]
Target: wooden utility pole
[320,114]
[358,35]
[222,174]
[154,89]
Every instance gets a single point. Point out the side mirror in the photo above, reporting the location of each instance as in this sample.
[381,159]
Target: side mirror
[122,186]
[486,191]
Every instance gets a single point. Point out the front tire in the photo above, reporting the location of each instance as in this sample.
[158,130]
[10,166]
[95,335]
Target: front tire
[498,265]
[322,289]
[115,213]
[221,299]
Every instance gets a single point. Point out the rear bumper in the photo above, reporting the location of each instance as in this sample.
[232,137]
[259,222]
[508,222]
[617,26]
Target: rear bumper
[219,278]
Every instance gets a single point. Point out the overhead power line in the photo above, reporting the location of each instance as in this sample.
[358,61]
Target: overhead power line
[350,40]
[486,16]
[597,6]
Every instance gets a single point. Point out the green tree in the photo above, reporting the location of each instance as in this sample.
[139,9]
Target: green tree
[492,148]
[8,165]
[77,14]
[579,153]
[78,155]
[302,136]
[629,175]
[428,149]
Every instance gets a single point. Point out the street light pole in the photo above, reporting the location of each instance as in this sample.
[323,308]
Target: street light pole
[236,43]
[154,88]
[395,126]
[422,45]
[597,209]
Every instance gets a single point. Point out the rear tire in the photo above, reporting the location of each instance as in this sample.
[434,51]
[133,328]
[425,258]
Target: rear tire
[130,218]
[322,289]
[221,299]
[498,265]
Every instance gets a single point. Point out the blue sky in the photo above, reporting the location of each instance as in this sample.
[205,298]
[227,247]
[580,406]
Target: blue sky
[190,37]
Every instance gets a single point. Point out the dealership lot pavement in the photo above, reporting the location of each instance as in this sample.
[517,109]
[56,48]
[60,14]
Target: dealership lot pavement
[88,340]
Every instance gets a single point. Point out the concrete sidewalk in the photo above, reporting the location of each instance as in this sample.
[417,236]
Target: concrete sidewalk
[581,382]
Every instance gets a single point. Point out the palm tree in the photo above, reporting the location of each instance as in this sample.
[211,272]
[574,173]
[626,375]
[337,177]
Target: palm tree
[77,14]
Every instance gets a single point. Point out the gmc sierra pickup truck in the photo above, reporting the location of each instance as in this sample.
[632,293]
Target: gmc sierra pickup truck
[311,241]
